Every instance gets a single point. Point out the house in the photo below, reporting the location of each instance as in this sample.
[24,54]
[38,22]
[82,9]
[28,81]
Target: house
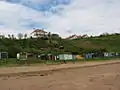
[39,33]
[85,36]
[77,36]
[72,37]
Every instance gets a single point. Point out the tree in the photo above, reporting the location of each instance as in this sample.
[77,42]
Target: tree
[2,36]
[25,36]
[9,36]
[55,36]
[104,34]
[49,38]
[102,50]
[31,37]
[115,34]
[12,36]
[82,50]
[49,34]
[13,50]
[3,48]
[20,35]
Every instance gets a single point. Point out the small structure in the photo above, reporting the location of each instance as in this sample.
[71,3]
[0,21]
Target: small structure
[22,56]
[79,57]
[47,56]
[89,55]
[3,55]
[65,57]
[110,54]
[106,54]
[18,56]
[43,56]
[51,57]
[117,54]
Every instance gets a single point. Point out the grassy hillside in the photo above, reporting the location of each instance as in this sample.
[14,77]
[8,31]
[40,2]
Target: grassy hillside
[91,44]
[109,43]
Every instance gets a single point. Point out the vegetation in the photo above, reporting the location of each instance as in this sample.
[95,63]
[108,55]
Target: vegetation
[102,43]
[14,62]
[52,44]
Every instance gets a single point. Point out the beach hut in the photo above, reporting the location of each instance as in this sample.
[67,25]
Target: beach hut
[65,57]
[89,55]
[79,57]
[22,56]
[3,55]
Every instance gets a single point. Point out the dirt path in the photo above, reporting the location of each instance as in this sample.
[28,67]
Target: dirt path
[41,69]
[104,77]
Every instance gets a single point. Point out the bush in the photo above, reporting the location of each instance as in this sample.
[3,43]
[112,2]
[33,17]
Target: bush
[13,50]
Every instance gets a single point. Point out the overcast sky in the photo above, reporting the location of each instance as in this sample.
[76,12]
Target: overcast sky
[64,17]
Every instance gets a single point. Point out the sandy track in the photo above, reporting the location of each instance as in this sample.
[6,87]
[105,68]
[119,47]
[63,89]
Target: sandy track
[46,69]
[105,77]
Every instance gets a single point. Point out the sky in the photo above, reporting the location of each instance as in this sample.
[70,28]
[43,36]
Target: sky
[64,17]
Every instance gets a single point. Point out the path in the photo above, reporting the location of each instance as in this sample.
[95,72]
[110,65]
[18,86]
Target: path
[102,77]
[24,70]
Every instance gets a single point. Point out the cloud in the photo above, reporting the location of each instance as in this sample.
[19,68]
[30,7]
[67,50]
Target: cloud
[91,17]
[16,16]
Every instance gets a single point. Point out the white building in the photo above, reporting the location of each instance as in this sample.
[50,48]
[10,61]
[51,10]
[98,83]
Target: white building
[39,33]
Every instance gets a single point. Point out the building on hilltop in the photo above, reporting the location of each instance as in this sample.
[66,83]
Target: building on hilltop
[39,33]
[77,36]
[74,37]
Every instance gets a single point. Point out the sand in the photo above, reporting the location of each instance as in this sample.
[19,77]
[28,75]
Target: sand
[104,77]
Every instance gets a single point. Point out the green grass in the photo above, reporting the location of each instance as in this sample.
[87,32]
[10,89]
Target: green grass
[110,43]
[13,62]
[103,59]
[8,62]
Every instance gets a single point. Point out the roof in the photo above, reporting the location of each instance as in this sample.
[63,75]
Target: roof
[39,30]
[73,36]
[77,36]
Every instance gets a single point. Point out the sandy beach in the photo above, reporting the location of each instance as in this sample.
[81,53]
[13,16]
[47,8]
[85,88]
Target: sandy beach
[104,77]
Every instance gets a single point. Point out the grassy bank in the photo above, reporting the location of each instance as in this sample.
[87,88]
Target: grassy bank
[14,62]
